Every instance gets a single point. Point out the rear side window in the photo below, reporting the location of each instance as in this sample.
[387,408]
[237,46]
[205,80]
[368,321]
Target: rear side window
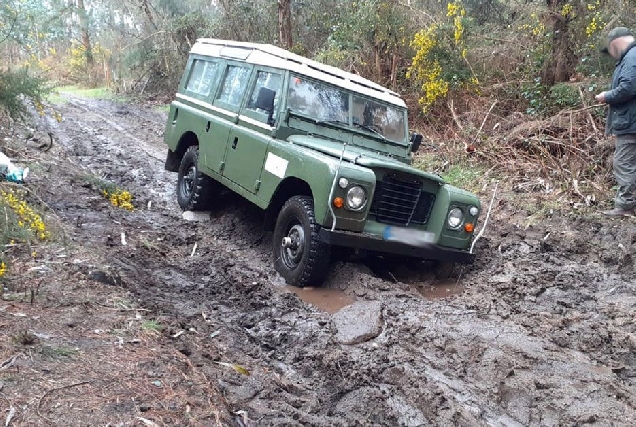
[201,77]
[234,85]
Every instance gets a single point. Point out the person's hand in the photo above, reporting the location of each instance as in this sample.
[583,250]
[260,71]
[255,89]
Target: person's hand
[600,97]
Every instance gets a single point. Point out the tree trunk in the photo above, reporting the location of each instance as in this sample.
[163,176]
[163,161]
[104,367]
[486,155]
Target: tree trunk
[394,66]
[144,6]
[86,41]
[378,60]
[559,67]
[285,23]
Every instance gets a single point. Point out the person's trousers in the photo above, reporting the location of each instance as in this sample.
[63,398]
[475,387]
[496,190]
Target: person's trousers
[625,171]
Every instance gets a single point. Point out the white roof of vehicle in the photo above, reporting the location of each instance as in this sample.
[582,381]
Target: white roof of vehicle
[273,56]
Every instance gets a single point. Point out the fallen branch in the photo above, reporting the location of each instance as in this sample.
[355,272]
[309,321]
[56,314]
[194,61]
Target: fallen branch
[455,118]
[9,362]
[589,115]
[483,123]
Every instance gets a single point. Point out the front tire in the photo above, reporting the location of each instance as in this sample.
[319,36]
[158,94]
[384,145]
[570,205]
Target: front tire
[299,257]
[194,188]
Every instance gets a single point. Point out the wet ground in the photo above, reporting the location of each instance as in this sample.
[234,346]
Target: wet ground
[539,331]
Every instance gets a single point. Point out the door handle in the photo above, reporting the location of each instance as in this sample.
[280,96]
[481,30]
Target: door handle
[207,127]
[235,142]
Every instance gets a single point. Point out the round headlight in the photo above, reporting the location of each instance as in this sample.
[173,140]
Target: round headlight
[474,211]
[356,198]
[343,182]
[455,218]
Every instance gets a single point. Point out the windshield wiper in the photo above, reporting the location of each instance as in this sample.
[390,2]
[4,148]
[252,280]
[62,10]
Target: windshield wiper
[331,122]
[371,129]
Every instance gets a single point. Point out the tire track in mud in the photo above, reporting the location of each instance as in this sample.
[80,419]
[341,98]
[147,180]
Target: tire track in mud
[541,336]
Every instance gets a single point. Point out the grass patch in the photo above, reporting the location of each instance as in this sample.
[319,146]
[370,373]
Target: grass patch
[58,352]
[57,95]
[162,108]
[461,174]
[151,326]
[467,177]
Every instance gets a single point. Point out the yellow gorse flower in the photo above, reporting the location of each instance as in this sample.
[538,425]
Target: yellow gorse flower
[425,70]
[537,29]
[120,198]
[566,9]
[456,11]
[3,269]
[27,217]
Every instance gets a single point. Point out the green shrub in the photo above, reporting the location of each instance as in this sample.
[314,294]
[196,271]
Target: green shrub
[17,85]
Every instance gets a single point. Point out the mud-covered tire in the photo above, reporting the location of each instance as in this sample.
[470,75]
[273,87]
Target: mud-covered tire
[194,189]
[299,257]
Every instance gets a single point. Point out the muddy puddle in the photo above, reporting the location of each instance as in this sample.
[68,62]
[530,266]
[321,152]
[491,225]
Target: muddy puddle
[440,290]
[327,300]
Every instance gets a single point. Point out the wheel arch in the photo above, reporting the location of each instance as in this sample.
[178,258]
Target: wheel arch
[187,140]
[287,188]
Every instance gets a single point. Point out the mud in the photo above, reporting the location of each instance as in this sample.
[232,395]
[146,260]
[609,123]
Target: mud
[539,331]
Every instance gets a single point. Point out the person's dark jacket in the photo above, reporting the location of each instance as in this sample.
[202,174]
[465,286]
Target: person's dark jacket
[621,118]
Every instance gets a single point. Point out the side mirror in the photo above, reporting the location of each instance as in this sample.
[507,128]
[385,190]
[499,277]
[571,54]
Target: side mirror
[265,101]
[416,141]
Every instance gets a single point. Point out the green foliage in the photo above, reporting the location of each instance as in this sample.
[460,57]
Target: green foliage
[564,95]
[77,63]
[365,35]
[544,101]
[15,86]
[30,23]
[535,95]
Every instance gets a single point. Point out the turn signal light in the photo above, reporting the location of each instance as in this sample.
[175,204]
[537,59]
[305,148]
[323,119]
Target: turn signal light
[338,202]
[469,228]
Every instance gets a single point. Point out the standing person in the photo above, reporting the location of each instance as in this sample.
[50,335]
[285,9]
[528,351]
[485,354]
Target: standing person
[621,118]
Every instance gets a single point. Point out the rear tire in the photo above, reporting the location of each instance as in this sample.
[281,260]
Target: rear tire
[299,257]
[194,189]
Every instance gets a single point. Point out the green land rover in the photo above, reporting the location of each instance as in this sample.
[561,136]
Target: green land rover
[324,152]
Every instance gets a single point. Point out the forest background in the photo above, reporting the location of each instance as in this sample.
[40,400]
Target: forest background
[495,86]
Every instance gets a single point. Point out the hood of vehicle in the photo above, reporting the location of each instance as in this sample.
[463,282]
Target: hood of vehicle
[359,156]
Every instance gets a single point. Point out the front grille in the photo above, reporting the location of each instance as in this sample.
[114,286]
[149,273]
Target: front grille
[400,201]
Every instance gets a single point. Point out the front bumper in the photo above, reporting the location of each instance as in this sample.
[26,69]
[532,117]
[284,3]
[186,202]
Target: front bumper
[376,243]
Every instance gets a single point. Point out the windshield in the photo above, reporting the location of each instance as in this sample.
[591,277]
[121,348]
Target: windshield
[330,104]
[381,118]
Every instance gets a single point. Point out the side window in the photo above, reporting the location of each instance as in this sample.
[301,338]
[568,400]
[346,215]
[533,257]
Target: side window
[234,85]
[268,80]
[201,77]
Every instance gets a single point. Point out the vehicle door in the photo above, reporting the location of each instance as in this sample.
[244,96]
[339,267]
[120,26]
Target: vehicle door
[197,112]
[250,137]
[226,105]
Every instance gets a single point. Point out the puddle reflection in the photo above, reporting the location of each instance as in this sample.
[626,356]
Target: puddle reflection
[329,300]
